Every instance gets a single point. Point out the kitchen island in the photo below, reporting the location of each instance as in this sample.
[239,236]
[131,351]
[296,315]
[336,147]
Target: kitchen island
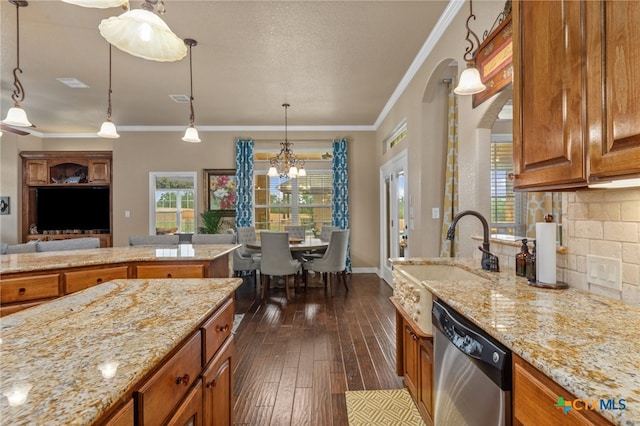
[86,357]
[32,278]
[587,344]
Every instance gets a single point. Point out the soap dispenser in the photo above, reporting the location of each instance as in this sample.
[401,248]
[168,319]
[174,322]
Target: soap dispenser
[521,259]
[531,265]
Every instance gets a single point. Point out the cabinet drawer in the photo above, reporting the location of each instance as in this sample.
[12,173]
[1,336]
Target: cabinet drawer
[79,280]
[170,271]
[28,288]
[164,390]
[216,329]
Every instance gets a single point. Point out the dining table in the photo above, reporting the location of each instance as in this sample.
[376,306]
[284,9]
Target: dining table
[296,245]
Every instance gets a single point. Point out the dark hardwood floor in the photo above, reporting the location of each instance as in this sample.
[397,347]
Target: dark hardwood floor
[295,359]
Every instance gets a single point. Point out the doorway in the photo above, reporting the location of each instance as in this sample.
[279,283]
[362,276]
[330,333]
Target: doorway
[393,226]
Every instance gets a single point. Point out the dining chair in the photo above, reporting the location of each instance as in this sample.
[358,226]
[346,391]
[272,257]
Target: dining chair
[333,261]
[325,232]
[70,244]
[213,239]
[154,240]
[277,260]
[296,231]
[246,260]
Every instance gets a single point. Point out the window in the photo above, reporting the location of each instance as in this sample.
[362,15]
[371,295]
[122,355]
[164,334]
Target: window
[506,211]
[306,201]
[398,134]
[172,202]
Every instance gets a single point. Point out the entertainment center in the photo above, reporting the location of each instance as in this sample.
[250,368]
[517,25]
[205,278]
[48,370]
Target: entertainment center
[66,194]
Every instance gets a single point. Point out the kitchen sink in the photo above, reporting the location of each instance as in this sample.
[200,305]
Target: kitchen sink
[440,272]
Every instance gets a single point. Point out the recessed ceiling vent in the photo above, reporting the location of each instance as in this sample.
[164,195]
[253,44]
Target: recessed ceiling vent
[181,99]
[72,82]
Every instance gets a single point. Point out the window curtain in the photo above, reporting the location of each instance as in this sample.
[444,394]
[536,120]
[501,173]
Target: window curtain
[340,198]
[244,176]
[450,205]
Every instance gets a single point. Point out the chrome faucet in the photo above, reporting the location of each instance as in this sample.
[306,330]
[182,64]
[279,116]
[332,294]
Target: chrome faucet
[489,260]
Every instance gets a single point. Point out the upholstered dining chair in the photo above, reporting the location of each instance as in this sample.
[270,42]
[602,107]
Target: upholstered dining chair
[296,231]
[325,232]
[276,260]
[154,240]
[246,260]
[333,261]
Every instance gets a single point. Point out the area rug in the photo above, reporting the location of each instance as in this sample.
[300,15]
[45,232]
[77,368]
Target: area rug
[237,318]
[382,408]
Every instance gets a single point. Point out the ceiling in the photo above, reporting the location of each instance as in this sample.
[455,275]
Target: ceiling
[336,62]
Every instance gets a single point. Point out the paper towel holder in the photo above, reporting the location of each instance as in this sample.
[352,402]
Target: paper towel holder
[548,218]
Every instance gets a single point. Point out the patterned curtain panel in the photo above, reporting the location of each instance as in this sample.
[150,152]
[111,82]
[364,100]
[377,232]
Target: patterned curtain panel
[244,174]
[340,200]
[540,204]
[449,248]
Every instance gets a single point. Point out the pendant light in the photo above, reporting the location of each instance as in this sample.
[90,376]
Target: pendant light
[191,134]
[17,116]
[100,4]
[286,164]
[470,82]
[108,129]
[142,33]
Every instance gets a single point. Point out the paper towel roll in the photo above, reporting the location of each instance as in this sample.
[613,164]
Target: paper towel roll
[546,252]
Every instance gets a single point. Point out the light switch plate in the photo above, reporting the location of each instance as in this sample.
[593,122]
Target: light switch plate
[604,271]
[435,213]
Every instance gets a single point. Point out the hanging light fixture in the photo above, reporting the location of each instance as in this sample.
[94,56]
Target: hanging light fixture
[191,134]
[108,129]
[286,164]
[16,116]
[100,4]
[470,81]
[142,33]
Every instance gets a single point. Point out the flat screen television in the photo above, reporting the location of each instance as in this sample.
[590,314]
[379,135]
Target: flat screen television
[73,208]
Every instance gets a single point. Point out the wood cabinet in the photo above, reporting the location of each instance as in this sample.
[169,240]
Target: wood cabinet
[535,399]
[62,170]
[170,270]
[25,291]
[84,278]
[218,387]
[122,417]
[576,106]
[414,358]
[189,413]
[613,98]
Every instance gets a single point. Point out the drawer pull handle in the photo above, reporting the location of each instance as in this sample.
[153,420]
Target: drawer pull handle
[183,380]
[414,336]
[211,384]
[169,275]
[99,280]
[22,290]
[222,329]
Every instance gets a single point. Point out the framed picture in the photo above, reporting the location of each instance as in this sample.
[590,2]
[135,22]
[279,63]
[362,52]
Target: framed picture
[221,186]
[4,205]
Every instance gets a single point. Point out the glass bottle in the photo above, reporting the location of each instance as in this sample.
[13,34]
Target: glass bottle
[531,264]
[521,259]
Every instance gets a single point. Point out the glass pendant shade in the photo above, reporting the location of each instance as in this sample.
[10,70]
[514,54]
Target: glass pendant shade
[302,172]
[293,172]
[191,135]
[143,34]
[470,82]
[16,116]
[100,4]
[108,130]
[273,172]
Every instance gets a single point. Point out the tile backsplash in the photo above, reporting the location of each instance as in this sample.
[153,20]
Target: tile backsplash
[602,223]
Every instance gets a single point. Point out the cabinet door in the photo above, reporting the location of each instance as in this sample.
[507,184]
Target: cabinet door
[410,352]
[37,172]
[189,413]
[218,392]
[613,48]
[425,391]
[100,171]
[123,417]
[170,271]
[549,128]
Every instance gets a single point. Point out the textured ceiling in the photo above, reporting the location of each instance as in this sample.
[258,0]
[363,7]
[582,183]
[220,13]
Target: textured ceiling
[336,62]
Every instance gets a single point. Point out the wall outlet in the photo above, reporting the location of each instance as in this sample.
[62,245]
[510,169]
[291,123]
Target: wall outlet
[127,213]
[435,213]
[604,271]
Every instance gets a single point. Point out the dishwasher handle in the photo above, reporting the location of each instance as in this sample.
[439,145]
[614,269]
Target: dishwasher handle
[468,340]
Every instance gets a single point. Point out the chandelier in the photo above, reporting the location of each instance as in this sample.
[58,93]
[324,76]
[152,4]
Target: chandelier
[286,164]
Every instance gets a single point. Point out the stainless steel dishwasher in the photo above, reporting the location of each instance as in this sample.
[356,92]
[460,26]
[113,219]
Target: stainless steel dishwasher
[472,373]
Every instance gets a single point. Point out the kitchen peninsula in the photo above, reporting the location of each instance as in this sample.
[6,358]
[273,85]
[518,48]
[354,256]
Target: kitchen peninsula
[565,343]
[92,356]
[32,278]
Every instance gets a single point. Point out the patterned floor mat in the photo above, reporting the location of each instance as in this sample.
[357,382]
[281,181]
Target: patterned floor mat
[382,408]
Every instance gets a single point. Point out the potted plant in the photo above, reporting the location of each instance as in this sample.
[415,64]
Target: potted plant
[212,222]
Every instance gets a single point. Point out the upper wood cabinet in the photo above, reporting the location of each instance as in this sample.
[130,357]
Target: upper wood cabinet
[100,171]
[36,172]
[576,103]
[613,64]
[42,168]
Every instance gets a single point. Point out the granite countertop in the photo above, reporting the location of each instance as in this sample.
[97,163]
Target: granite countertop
[59,350]
[588,344]
[28,262]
